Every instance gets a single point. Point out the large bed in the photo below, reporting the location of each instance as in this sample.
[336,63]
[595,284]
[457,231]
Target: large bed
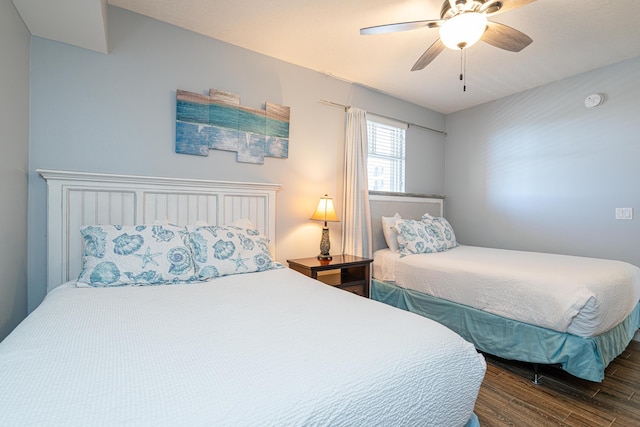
[249,343]
[576,312]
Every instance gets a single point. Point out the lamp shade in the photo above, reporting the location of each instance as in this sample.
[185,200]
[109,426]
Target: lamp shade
[325,210]
[463,30]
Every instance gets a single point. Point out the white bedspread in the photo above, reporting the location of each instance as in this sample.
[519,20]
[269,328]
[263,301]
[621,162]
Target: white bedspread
[578,295]
[261,349]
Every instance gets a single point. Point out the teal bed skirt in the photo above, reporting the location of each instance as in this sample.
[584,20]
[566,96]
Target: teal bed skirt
[473,421]
[509,339]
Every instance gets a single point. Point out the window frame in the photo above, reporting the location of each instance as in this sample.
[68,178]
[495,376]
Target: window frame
[387,131]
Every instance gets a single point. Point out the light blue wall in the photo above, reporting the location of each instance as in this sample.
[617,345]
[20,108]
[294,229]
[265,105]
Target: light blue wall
[116,113]
[539,171]
[14,143]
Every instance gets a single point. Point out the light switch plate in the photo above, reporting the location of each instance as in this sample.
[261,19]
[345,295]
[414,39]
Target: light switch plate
[624,213]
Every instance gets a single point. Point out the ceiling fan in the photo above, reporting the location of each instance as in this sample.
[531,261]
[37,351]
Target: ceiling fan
[462,23]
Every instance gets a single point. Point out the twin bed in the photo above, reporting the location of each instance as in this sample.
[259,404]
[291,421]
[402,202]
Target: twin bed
[541,308]
[223,336]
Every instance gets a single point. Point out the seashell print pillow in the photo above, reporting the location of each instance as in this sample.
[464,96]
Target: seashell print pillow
[445,233]
[418,237]
[135,255]
[220,251]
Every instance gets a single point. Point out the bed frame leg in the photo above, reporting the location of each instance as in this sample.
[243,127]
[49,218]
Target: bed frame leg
[536,375]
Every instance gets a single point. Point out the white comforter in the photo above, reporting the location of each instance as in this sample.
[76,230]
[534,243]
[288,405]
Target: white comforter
[578,295]
[261,349]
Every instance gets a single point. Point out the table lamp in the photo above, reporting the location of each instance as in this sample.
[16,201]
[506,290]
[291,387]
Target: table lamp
[325,212]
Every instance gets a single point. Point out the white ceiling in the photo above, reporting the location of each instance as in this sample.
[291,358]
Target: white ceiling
[569,37]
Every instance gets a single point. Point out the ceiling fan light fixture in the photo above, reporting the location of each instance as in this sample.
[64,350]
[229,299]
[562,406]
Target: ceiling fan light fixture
[463,30]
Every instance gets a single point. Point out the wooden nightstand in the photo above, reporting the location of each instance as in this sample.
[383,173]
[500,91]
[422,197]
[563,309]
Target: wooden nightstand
[347,272]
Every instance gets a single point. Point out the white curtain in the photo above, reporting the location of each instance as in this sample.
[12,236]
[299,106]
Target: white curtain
[356,230]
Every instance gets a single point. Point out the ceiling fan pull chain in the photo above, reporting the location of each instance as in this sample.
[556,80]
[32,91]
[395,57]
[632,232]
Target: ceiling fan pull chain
[463,69]
[464,82]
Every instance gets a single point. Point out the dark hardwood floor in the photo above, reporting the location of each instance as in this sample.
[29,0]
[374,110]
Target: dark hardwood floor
[508,397]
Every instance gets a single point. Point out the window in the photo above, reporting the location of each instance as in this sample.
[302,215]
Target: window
[385,163]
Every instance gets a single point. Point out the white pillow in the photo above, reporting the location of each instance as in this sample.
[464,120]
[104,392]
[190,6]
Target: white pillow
[117,255]
[389,231]
[221,251]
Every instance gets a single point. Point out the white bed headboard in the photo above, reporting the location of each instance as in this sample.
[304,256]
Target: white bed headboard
[76,199]
[407,205]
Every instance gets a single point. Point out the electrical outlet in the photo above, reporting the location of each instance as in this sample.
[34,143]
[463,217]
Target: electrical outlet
[624,213]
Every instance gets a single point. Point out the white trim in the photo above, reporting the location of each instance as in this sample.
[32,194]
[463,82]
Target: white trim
[409,199]
[107,179]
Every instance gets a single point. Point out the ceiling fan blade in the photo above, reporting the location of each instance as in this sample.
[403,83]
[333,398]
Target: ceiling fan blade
[429,55]
[505,37]
[495,7]
[401,26]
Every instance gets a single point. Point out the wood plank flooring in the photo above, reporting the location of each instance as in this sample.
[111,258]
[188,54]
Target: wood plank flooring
[508,397]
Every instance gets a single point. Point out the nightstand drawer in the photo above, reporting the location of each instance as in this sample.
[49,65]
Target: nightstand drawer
[347,272]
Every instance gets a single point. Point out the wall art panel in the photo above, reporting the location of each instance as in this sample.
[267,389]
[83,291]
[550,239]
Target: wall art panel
[217,121]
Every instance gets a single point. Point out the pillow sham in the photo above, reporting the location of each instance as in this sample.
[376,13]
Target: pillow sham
[242,223]
[220,251]
[390,233]
[444,229]
[418,237]
[117,255]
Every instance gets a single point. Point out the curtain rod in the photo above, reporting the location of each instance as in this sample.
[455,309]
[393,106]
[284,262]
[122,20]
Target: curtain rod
[346,107]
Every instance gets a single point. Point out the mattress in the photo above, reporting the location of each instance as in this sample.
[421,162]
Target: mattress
[568,294]
[268,348]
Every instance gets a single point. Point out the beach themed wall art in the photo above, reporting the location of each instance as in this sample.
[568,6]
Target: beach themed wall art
[218,122]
